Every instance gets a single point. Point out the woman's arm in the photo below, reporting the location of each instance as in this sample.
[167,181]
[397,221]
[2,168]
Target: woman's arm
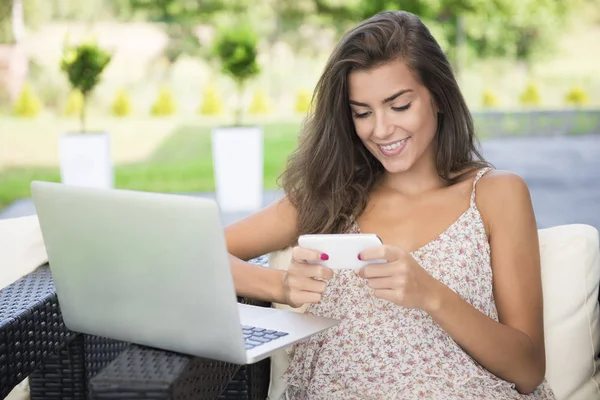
[514,348]
[271,229]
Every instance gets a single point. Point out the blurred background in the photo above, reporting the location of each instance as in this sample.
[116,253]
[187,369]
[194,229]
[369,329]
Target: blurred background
[529,70]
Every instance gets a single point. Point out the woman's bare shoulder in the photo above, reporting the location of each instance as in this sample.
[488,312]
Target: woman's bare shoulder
[500,193]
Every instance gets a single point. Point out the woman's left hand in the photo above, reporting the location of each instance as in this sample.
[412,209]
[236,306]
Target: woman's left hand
[401,279]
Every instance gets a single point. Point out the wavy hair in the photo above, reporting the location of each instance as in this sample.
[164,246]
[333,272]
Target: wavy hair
[331,173]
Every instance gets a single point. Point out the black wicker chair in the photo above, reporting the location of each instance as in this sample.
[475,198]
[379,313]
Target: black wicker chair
[35,343]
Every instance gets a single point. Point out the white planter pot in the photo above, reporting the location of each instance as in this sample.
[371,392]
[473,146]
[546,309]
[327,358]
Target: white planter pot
[85,160]
[238,167]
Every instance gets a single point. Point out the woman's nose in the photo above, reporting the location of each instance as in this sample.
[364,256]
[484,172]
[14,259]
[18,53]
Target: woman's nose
[383,127]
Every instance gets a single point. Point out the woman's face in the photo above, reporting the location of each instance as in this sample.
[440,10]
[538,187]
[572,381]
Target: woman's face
[393,115]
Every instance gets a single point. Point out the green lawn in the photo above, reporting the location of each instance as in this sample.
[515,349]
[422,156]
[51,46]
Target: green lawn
[182,164]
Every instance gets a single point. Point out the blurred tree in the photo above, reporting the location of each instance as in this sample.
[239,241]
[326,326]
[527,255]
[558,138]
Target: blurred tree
[211,102]
[236,48]
[531,96]
[180,17]
[6,28]
[74,104]
[489,99]
[260,104]
[121,106]
[29,13]
[577,97]
[164,105]
[89,10]
[517,29]
[27,105]
[303,102]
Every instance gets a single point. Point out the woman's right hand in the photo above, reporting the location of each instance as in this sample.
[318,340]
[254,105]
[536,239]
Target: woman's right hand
[304,282]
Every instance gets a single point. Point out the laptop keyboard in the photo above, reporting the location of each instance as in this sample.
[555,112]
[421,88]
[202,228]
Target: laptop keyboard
[254,336]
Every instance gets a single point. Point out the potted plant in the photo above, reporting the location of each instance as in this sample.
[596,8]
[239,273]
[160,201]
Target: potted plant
[238,149]
[85,157]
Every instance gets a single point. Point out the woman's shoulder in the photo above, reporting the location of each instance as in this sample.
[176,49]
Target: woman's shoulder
[501,194]
[501,183]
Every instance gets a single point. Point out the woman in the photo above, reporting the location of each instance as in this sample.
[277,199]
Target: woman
[456,312]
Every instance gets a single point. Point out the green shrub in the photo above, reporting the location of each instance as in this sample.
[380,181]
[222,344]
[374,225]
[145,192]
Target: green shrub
[577,97]
[121,106]
[27,104]
[211,103]
[84,65]
[531,96]
[303,101]
[489,99]
[237,49]
[74,104]
[164,104]
[260,104]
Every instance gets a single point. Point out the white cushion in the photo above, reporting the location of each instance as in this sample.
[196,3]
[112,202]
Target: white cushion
[279,361]
[22,248]
[570,258]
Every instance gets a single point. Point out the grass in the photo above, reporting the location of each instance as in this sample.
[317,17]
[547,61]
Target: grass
[177,156]
[181,164]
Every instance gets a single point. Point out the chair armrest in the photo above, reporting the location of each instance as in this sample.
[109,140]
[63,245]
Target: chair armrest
[31,327]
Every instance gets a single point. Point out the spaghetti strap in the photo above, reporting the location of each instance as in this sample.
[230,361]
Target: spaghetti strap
[481,172]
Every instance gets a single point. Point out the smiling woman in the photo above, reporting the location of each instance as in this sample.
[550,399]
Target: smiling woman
[455,309]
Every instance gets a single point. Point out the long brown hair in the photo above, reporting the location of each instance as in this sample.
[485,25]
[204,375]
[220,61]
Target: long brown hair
[331,173]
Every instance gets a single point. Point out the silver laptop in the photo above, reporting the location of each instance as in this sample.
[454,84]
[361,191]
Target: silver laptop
[153,269]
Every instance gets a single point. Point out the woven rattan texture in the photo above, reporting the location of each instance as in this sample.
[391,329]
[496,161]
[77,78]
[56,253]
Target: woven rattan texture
[145,373]
[31,327]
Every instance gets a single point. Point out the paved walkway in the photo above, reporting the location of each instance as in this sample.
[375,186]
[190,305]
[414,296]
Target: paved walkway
[563,174]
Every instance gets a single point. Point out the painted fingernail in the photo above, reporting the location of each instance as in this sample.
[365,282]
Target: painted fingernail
[359,257]
[324,257]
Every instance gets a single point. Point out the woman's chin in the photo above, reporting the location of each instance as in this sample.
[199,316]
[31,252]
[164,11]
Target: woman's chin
[396,166]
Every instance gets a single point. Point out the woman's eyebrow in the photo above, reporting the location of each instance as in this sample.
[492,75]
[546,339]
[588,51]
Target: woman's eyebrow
[386,100]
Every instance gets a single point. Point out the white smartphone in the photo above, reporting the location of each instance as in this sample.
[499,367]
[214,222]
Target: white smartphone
[342,249]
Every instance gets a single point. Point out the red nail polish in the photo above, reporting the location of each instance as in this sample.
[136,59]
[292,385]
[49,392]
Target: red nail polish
[359,257]
[324,257]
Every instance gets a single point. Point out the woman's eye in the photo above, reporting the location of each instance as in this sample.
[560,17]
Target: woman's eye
[403,108]
[362,115]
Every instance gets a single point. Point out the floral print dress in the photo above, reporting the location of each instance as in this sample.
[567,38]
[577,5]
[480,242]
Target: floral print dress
[383,351]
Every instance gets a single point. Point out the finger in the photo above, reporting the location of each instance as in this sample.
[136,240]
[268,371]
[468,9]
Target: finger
[379,270]
[301,297]
[304,255]
[383,252]
[313,271]
[386,283]
[307,284]
[389,294]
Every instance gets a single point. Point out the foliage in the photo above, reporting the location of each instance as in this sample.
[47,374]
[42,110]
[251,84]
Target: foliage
[211,103]
[577,97]
[259,104]
[27,105]
[74,104]
[164,104]
[84,64]
[35,12]
[180,17]
[121,106]
[6,31]
[490,99]
[303,102]
[518,29]
[237,49]
[531,96]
